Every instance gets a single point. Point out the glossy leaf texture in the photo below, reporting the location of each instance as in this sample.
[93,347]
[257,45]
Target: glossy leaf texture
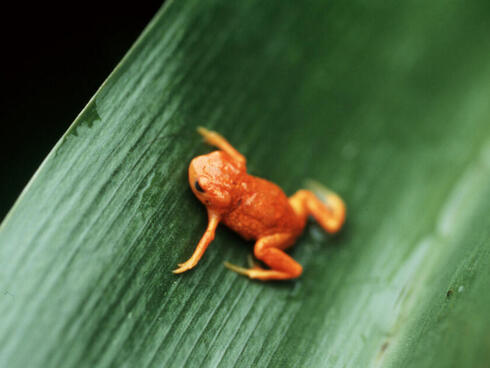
[386,103]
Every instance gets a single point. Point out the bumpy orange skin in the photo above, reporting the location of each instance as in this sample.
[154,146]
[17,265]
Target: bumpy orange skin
[256,209]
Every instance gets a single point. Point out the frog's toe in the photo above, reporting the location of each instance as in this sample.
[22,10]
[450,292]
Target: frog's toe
[321,191]
[318,188]
[253,264]
[181,269]
[237,269]
[186,266]
[203,131]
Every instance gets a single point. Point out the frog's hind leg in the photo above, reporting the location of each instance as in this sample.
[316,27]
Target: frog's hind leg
[269,250]
[330,214]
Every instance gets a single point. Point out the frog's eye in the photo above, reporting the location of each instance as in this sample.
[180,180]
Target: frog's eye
[198,187]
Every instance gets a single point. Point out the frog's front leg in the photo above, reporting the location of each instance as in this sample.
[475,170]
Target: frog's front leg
[207,238]
[269,250]
[217,140]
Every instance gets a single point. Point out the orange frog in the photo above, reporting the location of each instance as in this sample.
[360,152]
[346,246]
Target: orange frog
[256,209]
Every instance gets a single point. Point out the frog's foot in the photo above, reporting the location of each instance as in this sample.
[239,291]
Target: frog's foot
[326,206]
[206,133]
[217,140]
[186,266]
[329,197]
[237,269]
[254,266]
[259,273]
[252,263]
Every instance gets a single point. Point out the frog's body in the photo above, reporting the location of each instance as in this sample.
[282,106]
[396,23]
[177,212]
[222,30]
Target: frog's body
[256,209]
[262,209]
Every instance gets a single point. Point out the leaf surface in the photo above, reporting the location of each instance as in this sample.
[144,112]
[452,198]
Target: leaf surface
[387,104]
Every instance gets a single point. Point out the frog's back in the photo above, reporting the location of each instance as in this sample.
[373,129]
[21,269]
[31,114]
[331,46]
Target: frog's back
[262,209]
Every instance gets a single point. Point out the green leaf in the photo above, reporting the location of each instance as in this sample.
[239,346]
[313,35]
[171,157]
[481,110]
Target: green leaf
[385,103]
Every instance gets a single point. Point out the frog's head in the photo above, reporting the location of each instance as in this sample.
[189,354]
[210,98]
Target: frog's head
[212,178]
